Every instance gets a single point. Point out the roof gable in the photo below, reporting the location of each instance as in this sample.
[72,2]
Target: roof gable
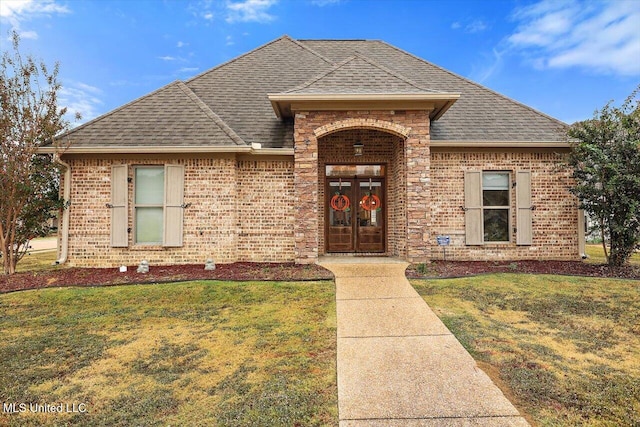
[480,114]
[358,74]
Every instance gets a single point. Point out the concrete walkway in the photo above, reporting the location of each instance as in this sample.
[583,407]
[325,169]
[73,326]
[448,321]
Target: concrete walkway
[398,365]
[42,244]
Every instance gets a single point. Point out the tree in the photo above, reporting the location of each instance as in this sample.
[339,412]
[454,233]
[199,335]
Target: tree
[605,159]
[29,118]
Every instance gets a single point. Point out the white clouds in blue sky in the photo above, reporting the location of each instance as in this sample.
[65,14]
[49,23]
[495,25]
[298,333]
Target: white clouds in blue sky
[601,37]
[18,11]
[561,45]
[80,98]
[249,11]
[234,11]
[474,26]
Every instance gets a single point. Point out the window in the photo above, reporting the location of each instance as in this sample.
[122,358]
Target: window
[158,207]
[487,207]
[149,205]
[495,206]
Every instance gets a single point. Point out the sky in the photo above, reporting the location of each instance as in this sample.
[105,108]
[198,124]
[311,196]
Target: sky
[565,58]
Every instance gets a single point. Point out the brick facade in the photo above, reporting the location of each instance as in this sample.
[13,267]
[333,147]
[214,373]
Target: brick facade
[265,210]
[256,208]
[231,216]
[318,134]
[555,218]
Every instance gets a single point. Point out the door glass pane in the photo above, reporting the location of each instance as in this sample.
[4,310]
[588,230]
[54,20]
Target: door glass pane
[353,170]
[370,204]
[149,225]
[340,204]
[496,225]
[149,186]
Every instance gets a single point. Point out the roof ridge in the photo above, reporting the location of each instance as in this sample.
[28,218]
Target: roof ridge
[211,114]
[309,49]
[122,107]
[393,73]
[312,80]
[283,37]
[473,83]
[339,40]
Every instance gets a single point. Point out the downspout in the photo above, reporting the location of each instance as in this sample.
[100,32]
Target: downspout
[582,231]
[66,195]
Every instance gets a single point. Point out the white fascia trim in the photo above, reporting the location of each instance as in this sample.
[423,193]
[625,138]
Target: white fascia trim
[168,150]
[493,144]
[363,96]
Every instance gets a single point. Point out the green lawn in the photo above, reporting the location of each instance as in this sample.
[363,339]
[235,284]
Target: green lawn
[566,349]
[596,255]
[197,353]
[38,261]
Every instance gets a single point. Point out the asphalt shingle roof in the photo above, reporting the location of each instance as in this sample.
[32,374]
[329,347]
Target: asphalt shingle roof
[228,105]
[358,74]
[479,115]
[171,116]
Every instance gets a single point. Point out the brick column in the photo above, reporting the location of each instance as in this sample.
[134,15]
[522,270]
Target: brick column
[305,191]
[417,158]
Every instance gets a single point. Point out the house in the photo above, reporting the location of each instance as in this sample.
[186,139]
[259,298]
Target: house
[305,148]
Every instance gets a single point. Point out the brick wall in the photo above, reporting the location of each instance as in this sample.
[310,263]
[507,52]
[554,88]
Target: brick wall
[259,209]
[221,192]
[410,175]
[265,211]
[555,218]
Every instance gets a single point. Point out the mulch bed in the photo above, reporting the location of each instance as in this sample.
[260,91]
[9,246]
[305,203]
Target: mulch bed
[442,269]
[162,274]
[290,271]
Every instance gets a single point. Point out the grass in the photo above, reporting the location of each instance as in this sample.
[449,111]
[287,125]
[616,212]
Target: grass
[565,348]
[38,261]
[196,353]
[596,255]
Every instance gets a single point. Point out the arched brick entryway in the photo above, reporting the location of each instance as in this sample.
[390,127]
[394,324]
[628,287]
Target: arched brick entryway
[407,136]
[380,148]
[362,123]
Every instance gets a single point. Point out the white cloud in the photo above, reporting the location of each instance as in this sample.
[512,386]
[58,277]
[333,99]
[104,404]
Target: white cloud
[188,70]
[475,26]
[250,11]
[229,41]
[181,44]
[602,37]
[18,11]
[168,58]
[29,35]
[492,65]
[208,16]
[322,3]
[80,98]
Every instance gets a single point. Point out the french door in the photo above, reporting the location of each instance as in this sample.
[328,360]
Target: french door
[355,214]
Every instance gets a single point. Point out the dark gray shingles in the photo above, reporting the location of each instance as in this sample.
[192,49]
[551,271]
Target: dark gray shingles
[228,104]
[237,91]
[479,115]
[169,116]
[358,75]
